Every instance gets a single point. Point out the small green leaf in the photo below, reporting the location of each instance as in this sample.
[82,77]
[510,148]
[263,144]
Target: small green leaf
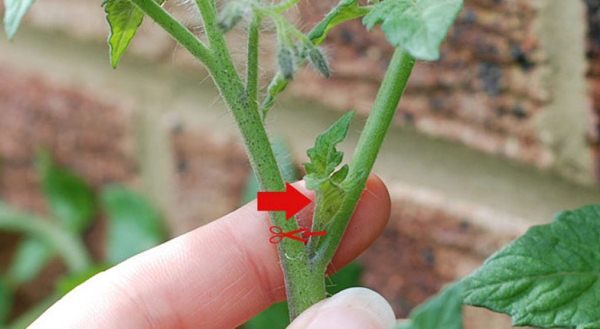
[550,277]
[124,19]
[5,301]
[30,257]
[133,224]
[418,26]
[443,311]
[71,200]
[324,156]
[344,11]
[14,10]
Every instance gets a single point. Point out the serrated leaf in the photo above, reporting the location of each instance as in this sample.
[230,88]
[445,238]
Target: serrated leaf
[124,19]
[550,277]
[442,311]
[14,10]
[70,198]
[418,26]
[324,156]
[133,224]
[344,11]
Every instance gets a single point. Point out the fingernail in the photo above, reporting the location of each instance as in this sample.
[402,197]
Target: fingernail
[354,308]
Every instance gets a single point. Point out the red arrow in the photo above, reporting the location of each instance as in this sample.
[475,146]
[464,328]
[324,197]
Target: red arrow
[291,201]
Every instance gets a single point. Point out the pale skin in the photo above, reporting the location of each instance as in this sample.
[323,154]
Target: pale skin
[216,276]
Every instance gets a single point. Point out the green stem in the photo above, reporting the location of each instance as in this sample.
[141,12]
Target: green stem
[365,154]
[69,247]
[252,65]
[180,33]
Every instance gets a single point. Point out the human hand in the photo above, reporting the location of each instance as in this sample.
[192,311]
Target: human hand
[219,276]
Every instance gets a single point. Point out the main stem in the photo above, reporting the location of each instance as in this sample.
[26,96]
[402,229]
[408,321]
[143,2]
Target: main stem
[304,286]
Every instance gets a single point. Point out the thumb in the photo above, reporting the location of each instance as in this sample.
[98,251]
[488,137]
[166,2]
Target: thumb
[354,308]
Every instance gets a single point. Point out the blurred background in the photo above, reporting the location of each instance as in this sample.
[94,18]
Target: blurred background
[500,134]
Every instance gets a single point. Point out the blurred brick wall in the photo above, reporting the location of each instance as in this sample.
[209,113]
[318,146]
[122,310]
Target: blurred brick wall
[488,91]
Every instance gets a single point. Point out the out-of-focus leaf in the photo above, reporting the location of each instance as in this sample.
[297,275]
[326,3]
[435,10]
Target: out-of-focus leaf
[549,277]
[418,26]
[30,257]
[275,317]
[344,11]
[124,19]
[70,198]
[134,225]
[72,204]
[71,281]
[5,301]
[443,311]
[348,277]
[14,10]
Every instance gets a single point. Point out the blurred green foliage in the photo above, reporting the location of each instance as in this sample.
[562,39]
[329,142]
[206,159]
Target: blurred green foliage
[134,225]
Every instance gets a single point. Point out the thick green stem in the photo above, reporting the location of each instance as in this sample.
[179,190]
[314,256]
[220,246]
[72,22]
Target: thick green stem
[304,286]
[69,247]
[366,151]
[252,65]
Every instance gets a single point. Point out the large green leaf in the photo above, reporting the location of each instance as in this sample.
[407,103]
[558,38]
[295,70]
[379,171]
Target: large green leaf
[550,277]
[14,10]
[124,19]
[134,225]
[443,311]
[418,26]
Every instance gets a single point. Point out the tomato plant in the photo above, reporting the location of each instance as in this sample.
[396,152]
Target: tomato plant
[547,278]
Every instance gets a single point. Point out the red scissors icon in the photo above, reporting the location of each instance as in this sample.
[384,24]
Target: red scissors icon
[302,234]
